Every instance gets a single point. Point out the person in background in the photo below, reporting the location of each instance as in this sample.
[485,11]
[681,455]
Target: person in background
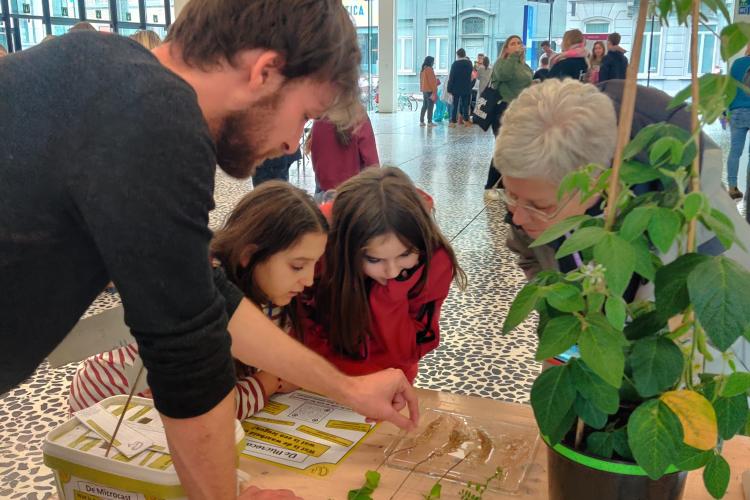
[428,86]
[510,75]
[3,51]
[543,72]
[484,70]
[339,154]
[276,168]
[386,272]
[546,47]
[148,38]
[459,86]
[595,61]
[739,122]
[571,62]
[615,64]
[268,247]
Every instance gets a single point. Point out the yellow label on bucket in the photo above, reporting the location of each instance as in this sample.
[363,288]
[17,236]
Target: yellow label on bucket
[79,495]
[271,421]
[284,440]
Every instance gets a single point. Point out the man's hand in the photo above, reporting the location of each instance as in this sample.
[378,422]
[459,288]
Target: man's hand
[254,493]
[381,396]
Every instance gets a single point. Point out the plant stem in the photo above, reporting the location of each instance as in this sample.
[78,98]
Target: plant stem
[626,116]
[412,472]
[453,467]
[579,434]
[695,185]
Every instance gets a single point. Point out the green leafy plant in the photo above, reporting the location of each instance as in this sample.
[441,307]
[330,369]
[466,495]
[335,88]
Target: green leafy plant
[475,491]
[637,392]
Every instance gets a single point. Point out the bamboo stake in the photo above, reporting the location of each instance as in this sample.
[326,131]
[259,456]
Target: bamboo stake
[627,107]
[124,411]
[695,182]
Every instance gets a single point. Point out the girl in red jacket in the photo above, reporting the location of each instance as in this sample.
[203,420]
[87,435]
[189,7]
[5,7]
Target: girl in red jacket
[387,270]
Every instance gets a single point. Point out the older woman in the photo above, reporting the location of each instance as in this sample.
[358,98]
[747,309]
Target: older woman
[559,126]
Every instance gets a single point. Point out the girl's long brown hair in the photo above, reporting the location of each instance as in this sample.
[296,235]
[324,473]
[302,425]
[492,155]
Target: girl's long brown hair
[375,202]
[593,60]
[268,220]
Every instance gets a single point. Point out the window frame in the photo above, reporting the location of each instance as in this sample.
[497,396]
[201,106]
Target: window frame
[647,50]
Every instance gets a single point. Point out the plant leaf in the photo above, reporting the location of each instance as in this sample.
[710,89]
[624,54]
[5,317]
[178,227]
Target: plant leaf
[657,364]
[716,476]
[663,228]
[737,383]
[689,458]
[558,230]
[523,304]
[671,288]
[697,416]
[718,291]
[721,226]
[559,335]
[601,348]
[644,259]
[435,492]
[600,444]
[636,222]
[564,297]
[694,203]
[731,415]
[592,387]
[618,258]
[645,325]
[589,413]
[616,312]
[552,397]
[641,140]
[654,433]
[733,39]
[620,442]
[633,172]
[583,238]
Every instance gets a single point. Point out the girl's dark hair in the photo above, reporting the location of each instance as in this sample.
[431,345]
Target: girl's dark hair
[375,202]
[268,220]
[486,61]
[428,62]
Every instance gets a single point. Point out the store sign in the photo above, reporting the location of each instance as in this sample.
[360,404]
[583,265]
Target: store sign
[156,18]
[362,11]
[64,11]
[743,7]
[128,16]
[26,8]
[98,14]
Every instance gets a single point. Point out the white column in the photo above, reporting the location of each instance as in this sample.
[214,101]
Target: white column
[178,6]
[387,56]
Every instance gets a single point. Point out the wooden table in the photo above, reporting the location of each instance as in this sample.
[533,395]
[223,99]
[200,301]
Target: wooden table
[369,454]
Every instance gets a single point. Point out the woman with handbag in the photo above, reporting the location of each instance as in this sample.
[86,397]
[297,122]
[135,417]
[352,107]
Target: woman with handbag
[510,76]
[428,86]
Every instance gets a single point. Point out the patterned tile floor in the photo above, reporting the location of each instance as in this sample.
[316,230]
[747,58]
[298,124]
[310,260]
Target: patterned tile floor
[474,358]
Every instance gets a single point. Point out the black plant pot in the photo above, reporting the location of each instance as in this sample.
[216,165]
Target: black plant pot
[577,476]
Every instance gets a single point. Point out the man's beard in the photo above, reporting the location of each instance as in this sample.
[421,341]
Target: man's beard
[242,136]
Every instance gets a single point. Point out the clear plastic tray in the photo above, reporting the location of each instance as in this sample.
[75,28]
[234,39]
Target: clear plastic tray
[480,445]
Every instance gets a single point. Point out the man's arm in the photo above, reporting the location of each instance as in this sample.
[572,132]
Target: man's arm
[256,341]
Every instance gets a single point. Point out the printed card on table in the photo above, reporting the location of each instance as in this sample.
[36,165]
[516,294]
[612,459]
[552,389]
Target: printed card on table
[304,432]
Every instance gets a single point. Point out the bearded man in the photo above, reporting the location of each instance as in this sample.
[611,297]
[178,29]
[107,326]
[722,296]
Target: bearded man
[107,163]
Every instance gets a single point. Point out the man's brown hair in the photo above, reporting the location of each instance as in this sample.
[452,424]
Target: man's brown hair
[614,38]
[316,38]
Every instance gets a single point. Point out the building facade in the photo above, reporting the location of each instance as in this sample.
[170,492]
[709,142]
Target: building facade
[665,60]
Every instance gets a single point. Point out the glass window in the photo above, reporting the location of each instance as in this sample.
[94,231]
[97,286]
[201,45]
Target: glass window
[128,11]
[97,10]
[155,12]
[64,8]
[651,48]
[473,26]
[597,27]
[706,50]
[438,44]
[405,46]
[60,29]
[32,32]
[28,7]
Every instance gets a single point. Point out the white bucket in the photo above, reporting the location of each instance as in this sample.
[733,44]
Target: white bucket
[83,473]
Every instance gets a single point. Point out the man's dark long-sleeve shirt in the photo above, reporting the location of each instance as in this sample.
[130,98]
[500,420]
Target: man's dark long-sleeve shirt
[107,173]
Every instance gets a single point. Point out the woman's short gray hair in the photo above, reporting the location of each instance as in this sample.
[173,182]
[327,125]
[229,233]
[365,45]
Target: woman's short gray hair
[554,128]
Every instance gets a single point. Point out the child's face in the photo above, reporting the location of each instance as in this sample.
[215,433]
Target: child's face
[385,257]
[286,273]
